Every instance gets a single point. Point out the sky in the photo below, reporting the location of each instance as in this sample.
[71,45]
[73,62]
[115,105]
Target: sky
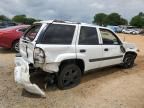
[73,10]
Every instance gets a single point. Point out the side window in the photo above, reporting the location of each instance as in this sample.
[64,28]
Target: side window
[59,34]
[109,38]
[88,36]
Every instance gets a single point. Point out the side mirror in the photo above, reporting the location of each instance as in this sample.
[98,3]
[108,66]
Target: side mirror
[122,49]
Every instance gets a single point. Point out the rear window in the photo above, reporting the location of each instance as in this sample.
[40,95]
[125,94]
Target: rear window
[32,31]
[59,34]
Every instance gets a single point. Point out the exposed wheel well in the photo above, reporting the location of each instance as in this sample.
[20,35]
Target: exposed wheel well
[78,62]
[133,53]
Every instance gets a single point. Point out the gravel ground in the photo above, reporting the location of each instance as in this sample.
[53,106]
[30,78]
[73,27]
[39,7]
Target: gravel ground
[107,88]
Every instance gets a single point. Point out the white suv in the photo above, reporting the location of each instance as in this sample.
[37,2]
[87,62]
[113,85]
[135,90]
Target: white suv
[67,50]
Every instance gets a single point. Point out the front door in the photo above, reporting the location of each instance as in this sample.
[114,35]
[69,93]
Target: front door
[111,46]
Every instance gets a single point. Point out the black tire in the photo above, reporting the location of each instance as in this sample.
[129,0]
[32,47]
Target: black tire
[128,61]
[69,76]
[15,46]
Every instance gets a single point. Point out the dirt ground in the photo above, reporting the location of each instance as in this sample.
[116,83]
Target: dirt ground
[107,88]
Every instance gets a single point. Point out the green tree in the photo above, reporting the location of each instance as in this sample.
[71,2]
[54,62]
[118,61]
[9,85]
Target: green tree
[114,19]
[138,20]
[141,14]
[99,18]
[19,18]
[23,19]
[111,19]
[30,21]
[4,18]
[124,21]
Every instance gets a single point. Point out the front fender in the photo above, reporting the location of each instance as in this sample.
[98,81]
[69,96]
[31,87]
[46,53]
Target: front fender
[130,47]
[131,50]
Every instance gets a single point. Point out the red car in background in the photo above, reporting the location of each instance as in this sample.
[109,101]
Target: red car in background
[9,37]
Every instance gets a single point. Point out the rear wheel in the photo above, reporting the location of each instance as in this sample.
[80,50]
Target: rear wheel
[128,61]
[15,46]
[69,76]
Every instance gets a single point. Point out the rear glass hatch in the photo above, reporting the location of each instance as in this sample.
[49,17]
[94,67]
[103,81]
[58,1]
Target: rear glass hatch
[27,44]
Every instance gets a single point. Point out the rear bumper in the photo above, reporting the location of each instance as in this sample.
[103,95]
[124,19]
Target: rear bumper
[22,76]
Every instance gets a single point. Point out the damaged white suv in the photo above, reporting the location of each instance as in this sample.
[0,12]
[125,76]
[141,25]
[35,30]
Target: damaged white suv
[67,50]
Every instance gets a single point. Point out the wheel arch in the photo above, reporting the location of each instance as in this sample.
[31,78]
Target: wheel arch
[78,62]
[131,52]
[128,63]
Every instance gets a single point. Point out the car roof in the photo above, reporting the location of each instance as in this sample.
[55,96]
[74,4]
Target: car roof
[69,22]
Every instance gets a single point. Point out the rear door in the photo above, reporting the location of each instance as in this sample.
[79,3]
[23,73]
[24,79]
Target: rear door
[111,47]
[88,47]
[27,43]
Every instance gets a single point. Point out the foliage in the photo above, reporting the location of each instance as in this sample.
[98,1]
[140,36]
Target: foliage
[124,21]
[30,20]
[23,19]
[4,18]
[99,18]
[138,20]
[19,18]
[111,19]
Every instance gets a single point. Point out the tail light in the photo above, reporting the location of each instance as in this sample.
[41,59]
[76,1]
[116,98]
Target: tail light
[39,55]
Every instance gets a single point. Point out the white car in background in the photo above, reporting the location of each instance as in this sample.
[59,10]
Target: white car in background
[131,31]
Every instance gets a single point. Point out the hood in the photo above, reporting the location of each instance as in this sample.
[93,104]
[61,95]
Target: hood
[129,45]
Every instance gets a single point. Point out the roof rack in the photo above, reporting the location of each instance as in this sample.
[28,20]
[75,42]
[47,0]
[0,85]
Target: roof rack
[61,21]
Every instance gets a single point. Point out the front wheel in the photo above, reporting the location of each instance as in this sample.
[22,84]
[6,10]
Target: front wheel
[69,76]
[128,61]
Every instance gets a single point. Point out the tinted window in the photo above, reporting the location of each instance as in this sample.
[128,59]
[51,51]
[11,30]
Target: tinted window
[59,34]
[88,36]
[109,38]
[32,32]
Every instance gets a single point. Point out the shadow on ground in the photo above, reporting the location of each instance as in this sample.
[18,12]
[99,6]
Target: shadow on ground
[6,51]
[91,75]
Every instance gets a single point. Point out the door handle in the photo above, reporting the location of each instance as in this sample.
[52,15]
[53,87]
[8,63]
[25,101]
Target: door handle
[106,49]
[82,50]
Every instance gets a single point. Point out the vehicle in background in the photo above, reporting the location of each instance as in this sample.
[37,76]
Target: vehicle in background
[136,31]
[127,31]
[9,37]
[116,29]
[131,31]
[142,32]
[5,24]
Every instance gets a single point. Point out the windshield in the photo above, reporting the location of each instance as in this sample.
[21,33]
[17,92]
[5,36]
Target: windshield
[32,32]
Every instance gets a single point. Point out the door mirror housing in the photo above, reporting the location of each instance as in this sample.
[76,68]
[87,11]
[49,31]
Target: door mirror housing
[122,48]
